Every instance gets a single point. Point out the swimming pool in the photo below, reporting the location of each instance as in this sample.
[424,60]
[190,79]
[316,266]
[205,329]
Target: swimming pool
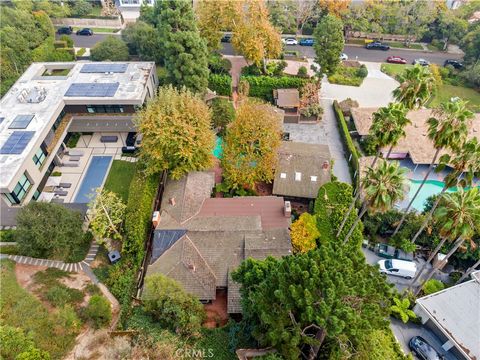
[218,150]
[96,172]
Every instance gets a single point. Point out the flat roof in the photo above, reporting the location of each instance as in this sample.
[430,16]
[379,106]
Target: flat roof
[43,96]
[456,311]
[416,143]
[287,97]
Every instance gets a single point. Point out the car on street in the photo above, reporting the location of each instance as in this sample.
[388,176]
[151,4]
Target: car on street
[421,61]
[85,32]
[290,41]
[67,30]
[343,56]
[390,252]
[457,64]
[396,60]
[226,38]
[307,42]
[395,267]
[423,350]
[377,45]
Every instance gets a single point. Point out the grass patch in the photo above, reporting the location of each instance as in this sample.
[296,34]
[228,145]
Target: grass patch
[73,140]
[394,70]
[119,178]
[51,332]
[445,92]
[96,11]
[401,45]
[9,250]
[346,75]
[56,72]
[98,29]
[356,41]
[216,342]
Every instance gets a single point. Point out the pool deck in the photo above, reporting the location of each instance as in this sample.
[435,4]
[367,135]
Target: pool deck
[73,172]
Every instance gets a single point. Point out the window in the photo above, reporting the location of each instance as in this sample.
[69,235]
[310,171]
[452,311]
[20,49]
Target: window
[104,109]
[283,175]
[58,120]
[298,176]
[20,190]
[36,195]
[39,157]
[313,178]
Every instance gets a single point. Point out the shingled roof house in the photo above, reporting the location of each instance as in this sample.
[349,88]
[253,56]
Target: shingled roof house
[302,168]
[199,240]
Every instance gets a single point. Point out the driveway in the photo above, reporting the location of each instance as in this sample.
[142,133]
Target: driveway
[375,91]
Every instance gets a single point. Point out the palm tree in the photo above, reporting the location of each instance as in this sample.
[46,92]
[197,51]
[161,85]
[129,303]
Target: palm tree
[417,85]
[448,129]
[465,166]
[388,127]
[383,187]
[468,272]
[459,216]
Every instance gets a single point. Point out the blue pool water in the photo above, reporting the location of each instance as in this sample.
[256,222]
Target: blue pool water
[218,150]
[96,172]
[431,187]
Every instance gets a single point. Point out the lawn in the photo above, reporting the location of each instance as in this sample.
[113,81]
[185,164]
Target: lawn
[346,75]
[51,332]
[119,178]
[401,45]
[445,92]
[394,69]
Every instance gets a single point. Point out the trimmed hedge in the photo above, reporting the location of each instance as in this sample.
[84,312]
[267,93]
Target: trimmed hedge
[263,86]
[221,84]
[352,153]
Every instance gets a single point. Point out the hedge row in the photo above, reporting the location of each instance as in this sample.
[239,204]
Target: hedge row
[221,84]
[263,86]
[352,153]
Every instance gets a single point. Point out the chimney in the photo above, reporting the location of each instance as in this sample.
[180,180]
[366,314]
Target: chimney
[191,267]
[155,218]
[172,201]
[287,209]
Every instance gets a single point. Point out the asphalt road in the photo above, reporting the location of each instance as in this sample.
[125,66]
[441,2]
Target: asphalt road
[362,54]
[353,52]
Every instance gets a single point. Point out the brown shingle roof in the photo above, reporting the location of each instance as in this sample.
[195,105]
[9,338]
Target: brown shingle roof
[305,159]
[416,142]
[287,98]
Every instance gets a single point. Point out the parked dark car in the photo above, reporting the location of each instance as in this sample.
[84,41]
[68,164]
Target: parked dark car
[396,60]
[423,350]
[85,32]
[131,138]
[390,252]
[457,64]
[307,42]
[226,38]
[67,30]
[377,45]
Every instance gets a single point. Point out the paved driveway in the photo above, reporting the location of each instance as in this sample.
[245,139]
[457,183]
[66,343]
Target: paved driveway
[376,89]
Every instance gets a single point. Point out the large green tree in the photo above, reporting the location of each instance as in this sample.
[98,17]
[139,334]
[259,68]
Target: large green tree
[46,230]
[176,133]
[112,48]
[142,40]
[283,15]
[250,153]
[417,86]
[304,299]
[329,43]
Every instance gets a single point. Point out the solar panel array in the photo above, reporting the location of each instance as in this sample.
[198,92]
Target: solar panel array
[103,68]
[162,240]
[92,89]
[17,142]
[21,121]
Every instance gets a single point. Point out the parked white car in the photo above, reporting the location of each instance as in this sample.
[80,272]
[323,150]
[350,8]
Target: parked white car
[405,269]
[343,56]
[290,41]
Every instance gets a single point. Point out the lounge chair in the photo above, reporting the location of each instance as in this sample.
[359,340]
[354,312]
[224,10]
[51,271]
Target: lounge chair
[109,139]
[65,185]
[75,152]
[61,192]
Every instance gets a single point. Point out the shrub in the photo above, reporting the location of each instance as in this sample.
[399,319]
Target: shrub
[219,65]
[221,84]
[432,286]
[60,295]
[68,319]
[98,311]
[348,75]
[56,173]
[275,68]
[17,345]
[73,139]
[81,8]
[369,145]
[435,70]
[68,40]
[313,110]
[59,44]
[7,235]
[81,52]
[253,70]
[362,71]
[263,86]
[112,48]
[223,113]
[169,304]
[302,72]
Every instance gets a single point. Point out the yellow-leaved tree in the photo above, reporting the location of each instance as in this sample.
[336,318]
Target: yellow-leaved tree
[250,153]
[176,133]
[304,233]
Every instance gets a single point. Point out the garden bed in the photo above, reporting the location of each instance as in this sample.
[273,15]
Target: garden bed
[348,75]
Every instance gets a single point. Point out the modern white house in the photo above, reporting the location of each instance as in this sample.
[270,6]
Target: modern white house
[49,102]
[453,314]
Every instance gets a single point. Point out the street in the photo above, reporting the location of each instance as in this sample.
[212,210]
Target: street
[87,41]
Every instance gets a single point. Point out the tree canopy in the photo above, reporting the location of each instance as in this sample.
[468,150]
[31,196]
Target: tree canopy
[329,43]
[250,153]
[304,233]
[142,40]
[112,48]
[176,133]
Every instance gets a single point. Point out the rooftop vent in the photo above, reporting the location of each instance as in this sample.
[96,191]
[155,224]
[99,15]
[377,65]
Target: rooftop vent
[283,175]
[298,176]
[313,178]
[32,96]
[287,209]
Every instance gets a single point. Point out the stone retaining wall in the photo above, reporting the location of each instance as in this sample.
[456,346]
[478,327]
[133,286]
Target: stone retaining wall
[109,23]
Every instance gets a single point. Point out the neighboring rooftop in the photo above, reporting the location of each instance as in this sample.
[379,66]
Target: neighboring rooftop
[302,168]
[199,240]
[456,311]
[40,93]
[416,142]
[287,98]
